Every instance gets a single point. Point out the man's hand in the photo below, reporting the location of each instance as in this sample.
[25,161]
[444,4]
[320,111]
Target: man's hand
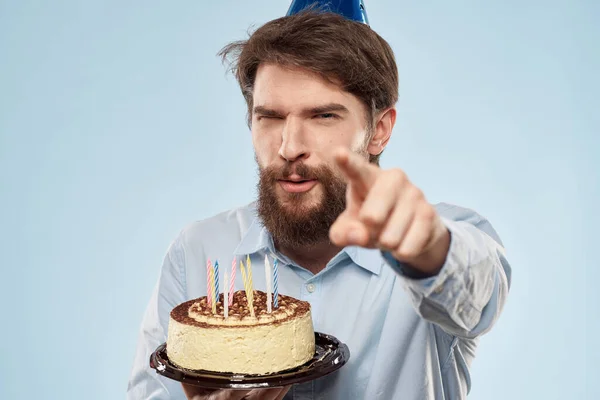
[385,210]
[197,393]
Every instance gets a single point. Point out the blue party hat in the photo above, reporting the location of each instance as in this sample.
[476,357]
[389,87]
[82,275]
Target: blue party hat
[352,9]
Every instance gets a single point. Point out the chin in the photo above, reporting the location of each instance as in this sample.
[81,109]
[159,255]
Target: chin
[312,198]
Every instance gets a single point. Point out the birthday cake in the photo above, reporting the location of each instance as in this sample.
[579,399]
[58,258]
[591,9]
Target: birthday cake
[200,337]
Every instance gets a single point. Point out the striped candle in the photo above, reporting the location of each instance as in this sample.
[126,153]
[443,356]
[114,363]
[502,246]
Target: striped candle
[247,289]
[275,284]
[217,281]
[225,296]
[232,283]
[208,285]
[268,278]
[250,283]
[244,278]
[213,302]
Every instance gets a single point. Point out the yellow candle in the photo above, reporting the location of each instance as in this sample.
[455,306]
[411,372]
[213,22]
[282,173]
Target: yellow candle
[247,288]
[244,277]
[250,283]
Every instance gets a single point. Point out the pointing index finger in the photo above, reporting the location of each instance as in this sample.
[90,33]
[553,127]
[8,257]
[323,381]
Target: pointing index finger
[357,170]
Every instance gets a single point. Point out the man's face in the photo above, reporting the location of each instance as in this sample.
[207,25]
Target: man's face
[298,121]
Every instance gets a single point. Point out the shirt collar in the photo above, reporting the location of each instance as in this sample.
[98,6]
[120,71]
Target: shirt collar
[257,238]
[369,259]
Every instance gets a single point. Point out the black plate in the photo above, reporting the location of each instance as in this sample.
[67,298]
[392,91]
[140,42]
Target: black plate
[330,355]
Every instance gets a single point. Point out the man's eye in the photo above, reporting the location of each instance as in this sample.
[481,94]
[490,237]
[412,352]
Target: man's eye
[327,116]
[268,117]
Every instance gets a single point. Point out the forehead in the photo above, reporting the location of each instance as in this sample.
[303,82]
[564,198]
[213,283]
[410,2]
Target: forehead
[290,87]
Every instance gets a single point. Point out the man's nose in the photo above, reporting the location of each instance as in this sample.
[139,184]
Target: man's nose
[293,141]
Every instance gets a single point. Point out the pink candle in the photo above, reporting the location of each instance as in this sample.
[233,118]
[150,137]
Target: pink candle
[232,281]
[208,284]
[213,301]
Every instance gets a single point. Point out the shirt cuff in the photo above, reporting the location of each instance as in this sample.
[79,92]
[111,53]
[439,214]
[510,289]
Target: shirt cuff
[425,283]
[404,269]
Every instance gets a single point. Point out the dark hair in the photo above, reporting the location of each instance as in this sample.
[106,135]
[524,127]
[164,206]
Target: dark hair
[342,51]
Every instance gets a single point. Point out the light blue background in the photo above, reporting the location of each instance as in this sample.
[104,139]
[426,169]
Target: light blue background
[119,126]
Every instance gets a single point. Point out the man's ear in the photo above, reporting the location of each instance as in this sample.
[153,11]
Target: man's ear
[384,124]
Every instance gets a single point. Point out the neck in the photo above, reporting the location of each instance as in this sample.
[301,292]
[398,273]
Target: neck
[312,257]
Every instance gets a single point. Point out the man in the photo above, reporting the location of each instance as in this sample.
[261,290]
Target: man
[408,286]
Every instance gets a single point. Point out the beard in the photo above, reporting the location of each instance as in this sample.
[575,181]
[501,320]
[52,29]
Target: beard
[300,219]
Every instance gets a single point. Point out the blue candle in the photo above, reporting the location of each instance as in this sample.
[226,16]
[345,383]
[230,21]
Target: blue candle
[275,284]
[216,281]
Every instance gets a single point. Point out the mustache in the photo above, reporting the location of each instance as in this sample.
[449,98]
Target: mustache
[296,168]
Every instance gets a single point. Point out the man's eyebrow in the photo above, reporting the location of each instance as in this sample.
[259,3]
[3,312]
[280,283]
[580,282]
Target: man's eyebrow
[262,110]
[327,108]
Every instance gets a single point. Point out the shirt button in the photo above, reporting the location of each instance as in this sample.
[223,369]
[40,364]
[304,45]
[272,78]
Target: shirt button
[310,287]
[439,289]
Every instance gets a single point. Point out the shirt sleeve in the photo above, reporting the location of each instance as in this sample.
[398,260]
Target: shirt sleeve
[144,382]
[467,296]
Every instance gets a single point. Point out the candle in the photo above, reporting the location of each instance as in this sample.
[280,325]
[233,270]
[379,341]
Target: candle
[275,284]
[244,277]
[268,278]
[208,286]
[250,284]
[232,283]
[213,301]
[247,288]
[216,280]
[225,296]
